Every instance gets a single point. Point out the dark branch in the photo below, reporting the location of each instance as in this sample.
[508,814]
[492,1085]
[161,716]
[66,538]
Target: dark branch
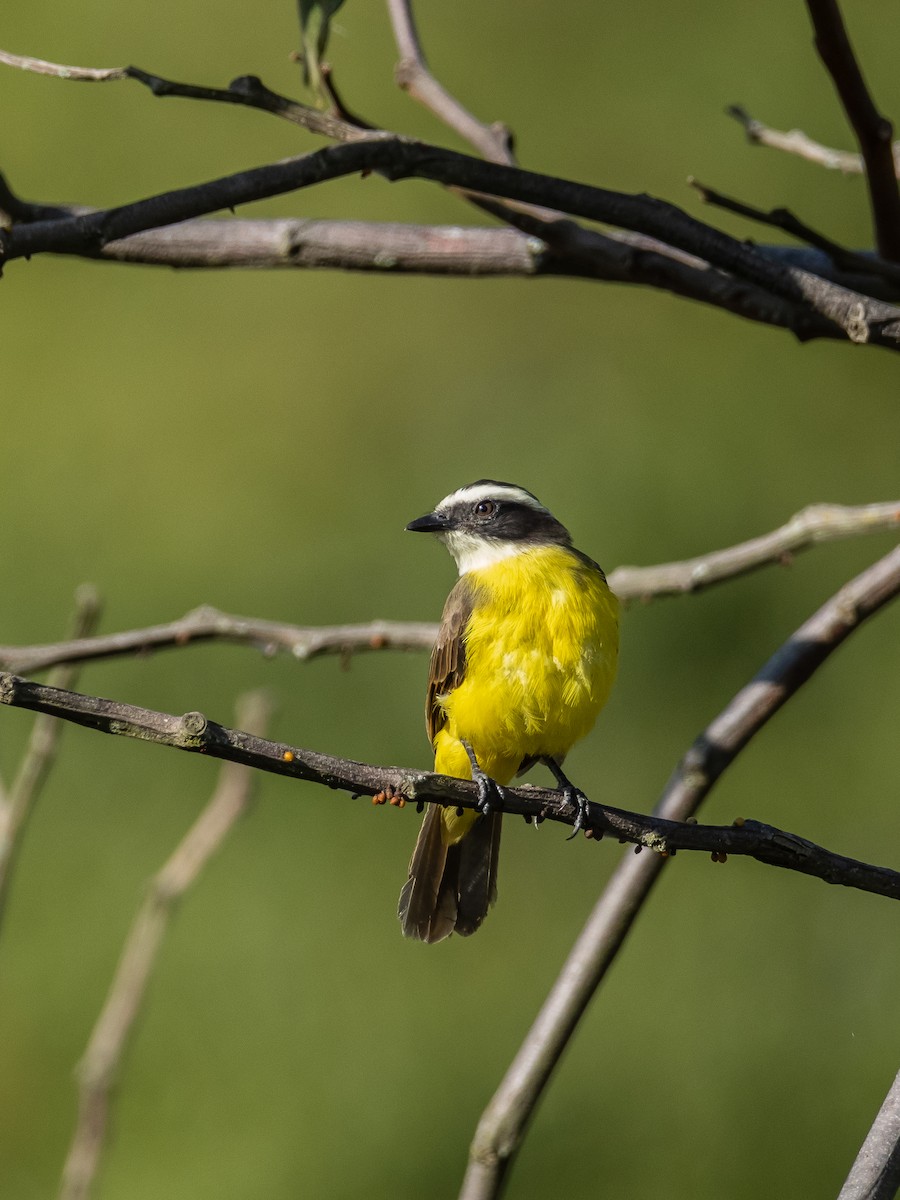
[873,131]
[783,218]
[860,317]
[196,734]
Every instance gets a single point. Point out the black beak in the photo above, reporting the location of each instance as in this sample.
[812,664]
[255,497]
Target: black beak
[432,522]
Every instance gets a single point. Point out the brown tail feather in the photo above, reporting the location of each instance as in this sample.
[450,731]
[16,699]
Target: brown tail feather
[450,888]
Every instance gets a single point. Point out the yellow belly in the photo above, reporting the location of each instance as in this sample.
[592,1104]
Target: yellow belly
[541,656]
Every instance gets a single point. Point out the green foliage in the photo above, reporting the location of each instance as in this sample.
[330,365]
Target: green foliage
[315,28]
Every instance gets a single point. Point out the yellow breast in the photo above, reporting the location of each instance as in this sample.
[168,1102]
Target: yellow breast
[541,653]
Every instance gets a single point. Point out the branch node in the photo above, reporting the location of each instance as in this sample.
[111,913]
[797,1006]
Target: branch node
[193,727]
[858,328]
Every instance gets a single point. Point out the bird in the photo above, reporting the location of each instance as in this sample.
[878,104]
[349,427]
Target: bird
[525,658]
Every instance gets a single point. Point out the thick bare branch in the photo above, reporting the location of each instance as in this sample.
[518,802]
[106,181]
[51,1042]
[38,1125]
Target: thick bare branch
[873,131]
[40,752]
[100,1066]
[860,317]
[875,1175]
[197,734]
[502,1126]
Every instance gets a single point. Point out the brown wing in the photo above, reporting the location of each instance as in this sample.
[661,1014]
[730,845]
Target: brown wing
[448,658]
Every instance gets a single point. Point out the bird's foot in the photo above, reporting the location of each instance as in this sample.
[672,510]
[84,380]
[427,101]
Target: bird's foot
[579,801]
[573,795]
[491,796]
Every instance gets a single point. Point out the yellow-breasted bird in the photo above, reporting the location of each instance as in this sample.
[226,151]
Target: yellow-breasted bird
[524,660]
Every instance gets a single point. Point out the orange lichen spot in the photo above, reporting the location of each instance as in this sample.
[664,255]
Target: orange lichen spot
[398,801]
[288,756]
[377,641]
[379,798]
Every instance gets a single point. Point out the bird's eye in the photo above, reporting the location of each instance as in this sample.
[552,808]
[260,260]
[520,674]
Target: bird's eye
[485,509]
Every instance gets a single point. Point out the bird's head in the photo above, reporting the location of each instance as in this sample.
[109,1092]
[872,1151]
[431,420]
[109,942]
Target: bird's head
[487,521]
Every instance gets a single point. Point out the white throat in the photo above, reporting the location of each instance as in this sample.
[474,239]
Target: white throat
[473,553]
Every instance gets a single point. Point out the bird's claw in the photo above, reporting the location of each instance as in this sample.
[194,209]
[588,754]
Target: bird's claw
[491,796]
[579,802]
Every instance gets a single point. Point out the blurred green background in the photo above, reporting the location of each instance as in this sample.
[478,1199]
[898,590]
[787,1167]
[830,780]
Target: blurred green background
[257,441]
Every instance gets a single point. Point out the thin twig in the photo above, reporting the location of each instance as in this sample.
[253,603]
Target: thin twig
[874,132]
[208,624]
[40,752]
[875,1175]
[80,74]
[101,1064]
[783,218]
[503,1124]
[493,142]
[795,141]
[811,526]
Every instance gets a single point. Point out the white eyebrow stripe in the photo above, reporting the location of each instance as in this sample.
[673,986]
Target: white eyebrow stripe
[491,491]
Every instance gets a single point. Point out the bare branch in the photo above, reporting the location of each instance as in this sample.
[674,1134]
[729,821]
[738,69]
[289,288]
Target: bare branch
[875,1175]
[796,142]
[860,317]
[813,525]
[197,734]
[100,1066]
[494,141]
[41,750]
[703,764]
[250,91]
[502,1126]
[783,218]
[208,624]
[873,131]
[81,74]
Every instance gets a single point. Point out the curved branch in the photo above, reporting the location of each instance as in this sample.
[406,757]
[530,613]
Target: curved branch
[813,525]
[502,1126]
[413,76]
[861,318]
